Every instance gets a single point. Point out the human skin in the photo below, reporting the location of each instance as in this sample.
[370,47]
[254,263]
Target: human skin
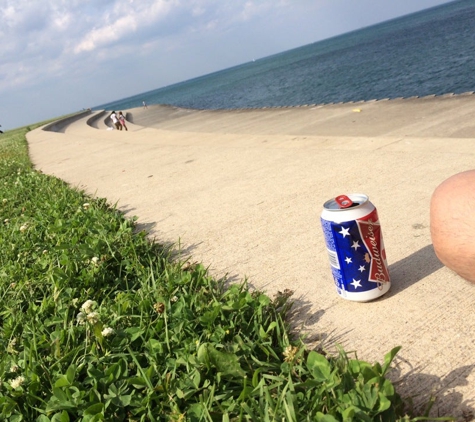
[452,223]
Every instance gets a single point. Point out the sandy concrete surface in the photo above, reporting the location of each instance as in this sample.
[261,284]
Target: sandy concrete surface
[241,191]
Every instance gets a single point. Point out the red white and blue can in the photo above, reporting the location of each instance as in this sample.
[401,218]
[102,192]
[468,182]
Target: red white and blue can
[354,241]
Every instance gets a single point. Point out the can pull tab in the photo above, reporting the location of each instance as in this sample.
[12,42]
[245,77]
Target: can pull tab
[343,201]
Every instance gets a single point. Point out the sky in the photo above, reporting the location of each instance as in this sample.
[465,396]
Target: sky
[60,56]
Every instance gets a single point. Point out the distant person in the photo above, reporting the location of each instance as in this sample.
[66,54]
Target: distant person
[122,120]
[1,131]
[452,224]
[144,104]
[115,120]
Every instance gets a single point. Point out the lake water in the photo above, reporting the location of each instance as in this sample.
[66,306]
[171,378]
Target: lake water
[429,52]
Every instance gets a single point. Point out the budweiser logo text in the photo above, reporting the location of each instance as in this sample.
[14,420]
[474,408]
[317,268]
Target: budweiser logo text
[370,231]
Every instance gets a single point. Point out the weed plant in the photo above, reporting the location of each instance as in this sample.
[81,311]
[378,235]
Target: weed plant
[97,323]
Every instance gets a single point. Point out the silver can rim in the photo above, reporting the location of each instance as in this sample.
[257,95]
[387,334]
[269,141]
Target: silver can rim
[360,198]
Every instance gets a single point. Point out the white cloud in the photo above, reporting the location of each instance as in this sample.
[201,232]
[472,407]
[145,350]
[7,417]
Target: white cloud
[124,19]
[54,28]
[62,21]
[104,36]
[253,8]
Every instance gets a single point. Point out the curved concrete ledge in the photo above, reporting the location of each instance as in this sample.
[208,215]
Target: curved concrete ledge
[440,117]
[61,124]
[97,120]
[94,120]
[324,104]
[102,120]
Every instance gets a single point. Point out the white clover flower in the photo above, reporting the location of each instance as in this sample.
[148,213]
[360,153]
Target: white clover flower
[81,318]
[23,227]
[17,382]
[6,220]
[86,205]
[173,299]
[290,352]
[107,331]
[44,251]
[5,200]
[87,306]
[159,307]
[11,346]
[14,368]
[95,260]
[93,317]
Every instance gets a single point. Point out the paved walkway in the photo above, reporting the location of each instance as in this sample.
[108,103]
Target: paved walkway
[241,191]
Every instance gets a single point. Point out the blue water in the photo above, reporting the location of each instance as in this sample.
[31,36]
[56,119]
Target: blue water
[429,52]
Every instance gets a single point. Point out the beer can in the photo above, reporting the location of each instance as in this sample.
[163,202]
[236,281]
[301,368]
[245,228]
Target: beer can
[355,246]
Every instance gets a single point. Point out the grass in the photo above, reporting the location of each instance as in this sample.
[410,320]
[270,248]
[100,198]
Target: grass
[97,323]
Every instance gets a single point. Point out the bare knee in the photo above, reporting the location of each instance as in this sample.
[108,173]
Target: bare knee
[452,223]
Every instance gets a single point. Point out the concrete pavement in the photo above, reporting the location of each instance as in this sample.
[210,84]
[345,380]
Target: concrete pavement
[241,191]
